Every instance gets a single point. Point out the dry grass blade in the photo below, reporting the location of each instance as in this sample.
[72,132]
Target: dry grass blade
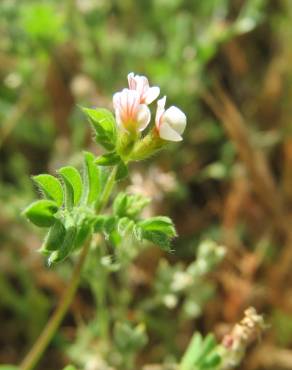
[257,166]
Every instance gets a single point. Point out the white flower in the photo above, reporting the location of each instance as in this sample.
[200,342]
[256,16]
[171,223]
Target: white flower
[170,300]
[130,113]
[180,281]
[170,123]
[141,85]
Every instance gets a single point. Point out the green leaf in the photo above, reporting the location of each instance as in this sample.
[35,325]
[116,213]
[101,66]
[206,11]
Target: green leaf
[126,205]
[125,225]
[114,238]
[104,125]
[212,361]
[66,247]
[108,159]
[208,345]
[99,222]
[83,232]
[91,180]
[136,204]
[157,237]
[122,171]
[159,230]
[73,185]
[41,212]
[192,353]
[138,233]
[159,223]
[69,191]
[8,367]
[129,338]
[110,224]
[120,204]
[51,187]
[105,223]
[54,238]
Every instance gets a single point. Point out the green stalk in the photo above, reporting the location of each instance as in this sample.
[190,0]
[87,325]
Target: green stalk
[100,287]
[34,355]
[107,191]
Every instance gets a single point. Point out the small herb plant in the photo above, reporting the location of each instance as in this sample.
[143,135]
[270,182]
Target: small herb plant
[78,204]
[75,204]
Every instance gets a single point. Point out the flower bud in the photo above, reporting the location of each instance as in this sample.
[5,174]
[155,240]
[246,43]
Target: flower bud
[170,123]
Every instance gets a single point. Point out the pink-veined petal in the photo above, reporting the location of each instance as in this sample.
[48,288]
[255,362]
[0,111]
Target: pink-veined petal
[142,85]
[129,104]
[116,100]
[131,81]
[126,104]
[152,94]
[143,117]
[129,111]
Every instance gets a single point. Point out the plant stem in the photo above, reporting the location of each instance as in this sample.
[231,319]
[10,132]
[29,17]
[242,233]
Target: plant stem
[100,287]
[47,334]
[34,355]
[107,191]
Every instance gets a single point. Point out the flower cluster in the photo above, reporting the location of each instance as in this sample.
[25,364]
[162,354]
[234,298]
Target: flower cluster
[133,114]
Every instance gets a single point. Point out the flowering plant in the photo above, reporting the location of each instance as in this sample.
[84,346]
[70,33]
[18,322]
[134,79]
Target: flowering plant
[73,205]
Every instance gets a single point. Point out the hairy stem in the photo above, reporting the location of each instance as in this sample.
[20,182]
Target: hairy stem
[34,355]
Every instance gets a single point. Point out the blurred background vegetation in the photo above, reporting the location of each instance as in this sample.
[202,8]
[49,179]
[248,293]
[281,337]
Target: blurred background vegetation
[230,180]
